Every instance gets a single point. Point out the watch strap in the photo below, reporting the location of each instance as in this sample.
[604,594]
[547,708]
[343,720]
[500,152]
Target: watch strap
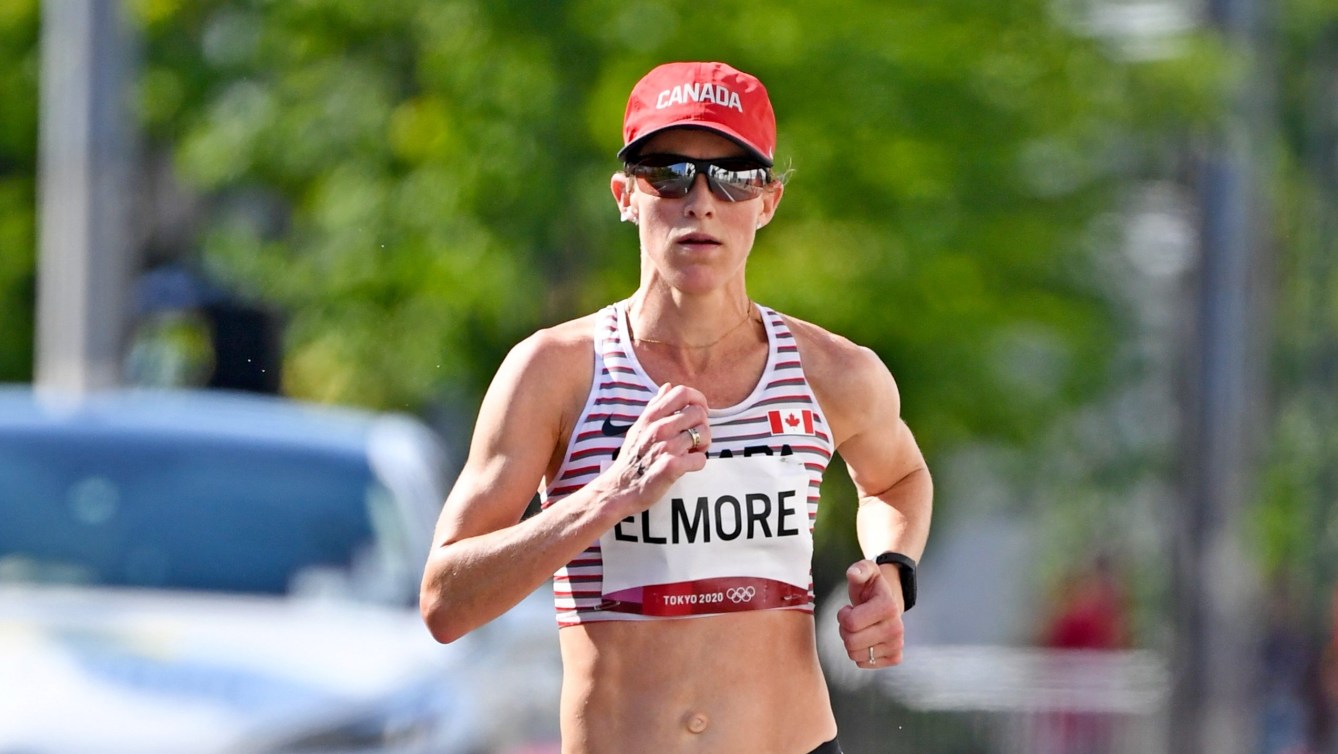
[906,569]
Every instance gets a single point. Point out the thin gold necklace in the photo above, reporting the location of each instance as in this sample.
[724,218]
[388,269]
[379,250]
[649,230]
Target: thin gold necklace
[747,316]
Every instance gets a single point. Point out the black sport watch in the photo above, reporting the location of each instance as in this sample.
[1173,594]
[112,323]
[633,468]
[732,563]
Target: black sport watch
[906,567]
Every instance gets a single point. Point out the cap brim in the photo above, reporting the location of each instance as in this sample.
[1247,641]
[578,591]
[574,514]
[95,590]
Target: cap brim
[633,148]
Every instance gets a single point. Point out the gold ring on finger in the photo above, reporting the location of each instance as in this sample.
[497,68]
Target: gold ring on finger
[696,439]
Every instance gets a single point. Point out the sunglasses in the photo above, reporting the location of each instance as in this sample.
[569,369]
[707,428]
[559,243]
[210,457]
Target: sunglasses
[670,176]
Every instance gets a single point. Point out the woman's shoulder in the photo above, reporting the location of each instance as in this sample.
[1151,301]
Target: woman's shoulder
[545,376]
[845,376]
[829,355]
[559,346]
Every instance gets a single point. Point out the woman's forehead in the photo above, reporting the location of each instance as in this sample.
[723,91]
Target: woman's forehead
[692,142]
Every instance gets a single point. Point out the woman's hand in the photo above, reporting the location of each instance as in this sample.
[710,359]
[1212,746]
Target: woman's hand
[669,439]
[871,625]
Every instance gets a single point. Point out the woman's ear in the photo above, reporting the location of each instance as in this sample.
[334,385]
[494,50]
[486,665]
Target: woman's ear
[621,186]
[770,201]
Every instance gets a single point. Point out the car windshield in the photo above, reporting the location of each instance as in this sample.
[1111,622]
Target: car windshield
[177,513]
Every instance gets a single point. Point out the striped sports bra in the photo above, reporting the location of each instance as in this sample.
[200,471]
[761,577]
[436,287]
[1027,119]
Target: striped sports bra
[734,537]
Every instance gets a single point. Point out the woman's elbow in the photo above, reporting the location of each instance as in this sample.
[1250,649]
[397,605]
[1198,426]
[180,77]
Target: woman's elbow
[437,617]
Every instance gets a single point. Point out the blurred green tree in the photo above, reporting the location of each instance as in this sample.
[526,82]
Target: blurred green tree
[18,168]
[419,184]
[1297,520]
[440,170]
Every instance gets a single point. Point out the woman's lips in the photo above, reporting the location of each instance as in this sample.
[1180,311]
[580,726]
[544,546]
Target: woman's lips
[697,239]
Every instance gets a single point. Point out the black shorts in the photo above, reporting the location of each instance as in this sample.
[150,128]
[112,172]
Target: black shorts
[831,747]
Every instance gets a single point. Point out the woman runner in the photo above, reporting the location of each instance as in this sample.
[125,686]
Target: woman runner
[678,440]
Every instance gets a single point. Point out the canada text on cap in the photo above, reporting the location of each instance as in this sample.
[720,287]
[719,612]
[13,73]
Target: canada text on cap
[713,96]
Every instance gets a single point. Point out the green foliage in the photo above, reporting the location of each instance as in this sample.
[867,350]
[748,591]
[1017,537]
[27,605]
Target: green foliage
[441,173]
[18,165]
[1297,522]
[443,170]
[420,184]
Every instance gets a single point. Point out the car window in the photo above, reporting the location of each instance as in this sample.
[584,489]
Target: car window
[127,510]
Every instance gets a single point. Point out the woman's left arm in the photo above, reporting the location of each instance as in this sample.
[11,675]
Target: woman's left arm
[860,399]
[888,470]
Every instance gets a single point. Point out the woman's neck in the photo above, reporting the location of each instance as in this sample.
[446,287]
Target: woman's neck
[688,325]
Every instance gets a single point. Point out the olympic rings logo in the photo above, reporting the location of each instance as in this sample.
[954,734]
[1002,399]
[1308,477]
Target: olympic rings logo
[739,594]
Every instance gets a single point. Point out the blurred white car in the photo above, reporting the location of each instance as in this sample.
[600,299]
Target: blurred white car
[204,572]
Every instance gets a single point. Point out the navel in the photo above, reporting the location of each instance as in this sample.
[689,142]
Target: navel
[696,722]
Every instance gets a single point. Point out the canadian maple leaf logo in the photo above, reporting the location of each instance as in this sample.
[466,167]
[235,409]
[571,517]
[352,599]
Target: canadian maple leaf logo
[791,422]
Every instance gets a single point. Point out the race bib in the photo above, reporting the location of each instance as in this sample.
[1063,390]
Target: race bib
[732,537]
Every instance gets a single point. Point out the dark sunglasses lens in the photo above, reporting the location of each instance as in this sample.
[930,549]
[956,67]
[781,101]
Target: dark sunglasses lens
[671,177]
[736,185]
[668,181]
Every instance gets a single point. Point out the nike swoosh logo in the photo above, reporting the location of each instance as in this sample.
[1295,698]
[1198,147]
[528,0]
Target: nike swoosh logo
[613,430]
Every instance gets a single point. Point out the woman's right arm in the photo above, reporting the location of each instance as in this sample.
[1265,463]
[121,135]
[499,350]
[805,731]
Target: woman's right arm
[485,559]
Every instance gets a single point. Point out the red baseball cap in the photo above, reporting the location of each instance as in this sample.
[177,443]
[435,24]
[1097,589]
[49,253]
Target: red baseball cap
[712,96]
